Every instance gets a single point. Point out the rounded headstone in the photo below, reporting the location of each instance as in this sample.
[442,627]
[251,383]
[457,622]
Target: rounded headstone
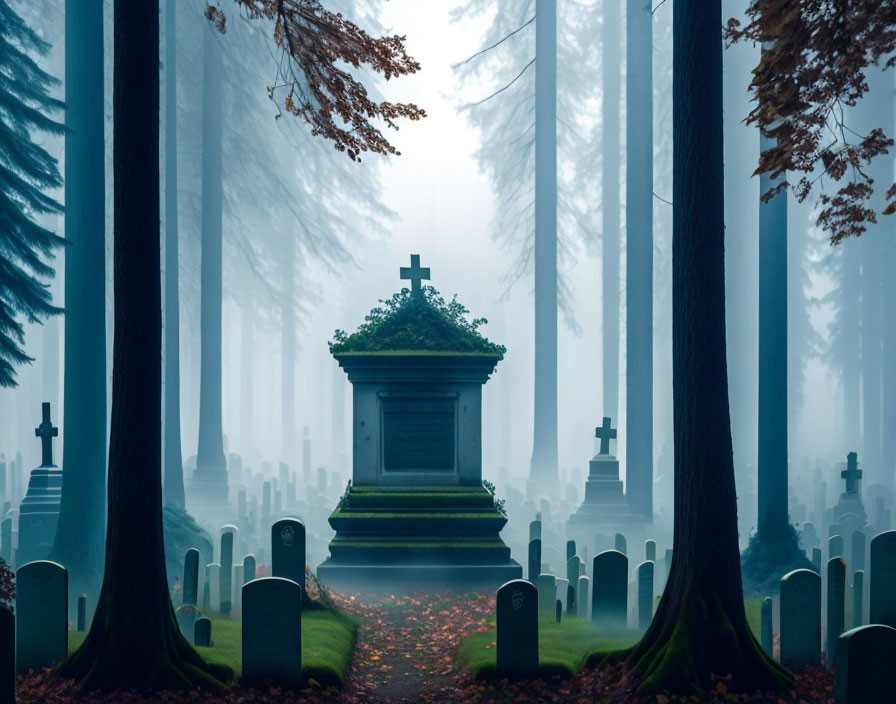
[517,629]
[864,666]
[272,632]
[288,550]
[882,581]
[800,619]
[202,632]
[609,591]
[41,615]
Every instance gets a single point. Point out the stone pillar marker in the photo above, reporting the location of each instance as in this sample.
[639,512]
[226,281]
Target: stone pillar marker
[800,619]
[864,666]
[609,591]
[858,598]
[272,632]
[82,613]
[202,632]
[583,600]
[517,630]
[191,577]
[547,592]
[226,573]
[534,559]
[249,569]
[41,615]
[836,606]
[882,580]
[645,595]
[288,550]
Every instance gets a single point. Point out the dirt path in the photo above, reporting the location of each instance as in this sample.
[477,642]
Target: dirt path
[407,646]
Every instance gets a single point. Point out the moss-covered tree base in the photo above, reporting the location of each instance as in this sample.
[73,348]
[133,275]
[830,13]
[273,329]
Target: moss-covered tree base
[164,662]
[697,645]
[768,558]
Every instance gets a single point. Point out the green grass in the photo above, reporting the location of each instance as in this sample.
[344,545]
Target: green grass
[753,608]
[328,640]
[562,647]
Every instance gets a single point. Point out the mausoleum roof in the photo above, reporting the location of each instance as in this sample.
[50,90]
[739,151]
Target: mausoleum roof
[417,322]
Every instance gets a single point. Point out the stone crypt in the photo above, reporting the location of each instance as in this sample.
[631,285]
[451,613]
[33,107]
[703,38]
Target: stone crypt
[416,513]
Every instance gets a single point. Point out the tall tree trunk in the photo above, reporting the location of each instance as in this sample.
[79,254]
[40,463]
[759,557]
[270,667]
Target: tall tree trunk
[888,296]
[289,431]
[211,466]
[874,110]
[700,628]
[772,418]
[741,261]
[610,207]
[639,257]
[134,641]
[544,470]
[849,341]
[173,468]
[247,365]
[50,350]
[81,528]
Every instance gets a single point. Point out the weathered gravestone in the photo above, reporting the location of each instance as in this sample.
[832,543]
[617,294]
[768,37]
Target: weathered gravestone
[570,548]
[583,597]
[573,570]
[228,533]
[800,619]
[858,598]
[213,571]
[835,546]
[288,550]
[882,600]
[191,577]
[517,630]
[41,615]
[547,592]
[534,559]
[836,606]
[82,613]
[39,510]
[609,591]
[864,666]
[767,628]
[645,594]
[620,544]
[535,528]
[249,569]
[272,632]
[7,655]
[202,632]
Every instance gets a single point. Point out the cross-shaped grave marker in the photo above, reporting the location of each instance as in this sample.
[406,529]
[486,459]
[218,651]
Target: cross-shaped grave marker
[852,473]
[415,273]
[605,433]
[46,432]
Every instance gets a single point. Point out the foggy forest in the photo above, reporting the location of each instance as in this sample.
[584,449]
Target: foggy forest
[448,351]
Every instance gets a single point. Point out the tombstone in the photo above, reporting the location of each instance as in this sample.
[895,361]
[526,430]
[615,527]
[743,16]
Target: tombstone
[226,573]
[882,582]
[214,585]
[547,591]
[808,536]
[609,591]
[864,666]
[7,655]
[573,570]
[835,546]
[583,597]
[535,529]
[836,606]
[857,553]
[249,568]
[645,595]
[558,610]
[858,598]
[41,615]
[288,550]
[816,559]
[82,613]
[272,632]
[534,559]
[417,444]
[191,577]
[767,629]
[650,550]
[202,632]
[517,630]
[570,548]
[800,611]
[39,510]
[620,544]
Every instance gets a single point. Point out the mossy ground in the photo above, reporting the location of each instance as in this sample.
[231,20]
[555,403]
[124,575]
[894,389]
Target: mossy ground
[328,640]
[563,647]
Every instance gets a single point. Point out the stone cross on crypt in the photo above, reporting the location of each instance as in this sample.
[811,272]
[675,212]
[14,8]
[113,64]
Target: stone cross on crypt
[852,473]
[46,432]
[415,273]
[605,433]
